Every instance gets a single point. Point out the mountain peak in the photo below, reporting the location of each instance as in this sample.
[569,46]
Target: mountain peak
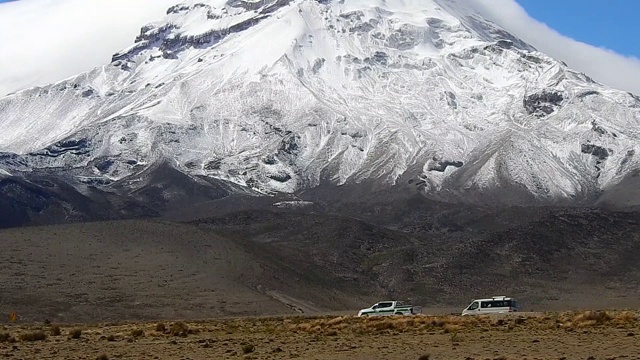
[425,26]
[283,95]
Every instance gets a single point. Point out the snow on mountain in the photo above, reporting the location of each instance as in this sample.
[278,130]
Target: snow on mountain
[280,95]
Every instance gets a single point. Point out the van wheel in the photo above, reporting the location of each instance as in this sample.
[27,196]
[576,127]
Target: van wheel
[398,313]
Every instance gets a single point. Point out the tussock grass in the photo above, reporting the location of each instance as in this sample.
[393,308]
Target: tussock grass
[179,329]
[55,330]
[6,337]
[592,317]
[625,318]
[75,333]
[328,326]
[248,348]
[379,324]
[33,336]
[161,328]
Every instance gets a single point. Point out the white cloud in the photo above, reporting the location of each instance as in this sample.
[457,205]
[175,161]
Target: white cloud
[43,41]
[603,65]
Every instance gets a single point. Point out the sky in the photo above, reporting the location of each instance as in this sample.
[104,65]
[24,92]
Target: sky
[614,25]
[50,40]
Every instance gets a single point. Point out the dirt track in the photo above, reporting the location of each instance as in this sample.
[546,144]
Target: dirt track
[589,335]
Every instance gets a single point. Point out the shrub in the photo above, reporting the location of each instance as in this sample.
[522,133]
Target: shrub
[75,333]
[137,332]
[55,330]
[161,328]
[451,328]
[625,318]
[6,337]
[102,357]
[425,357]
[111,338]
[590,318]
[248,348]
[179,329]
[33,336]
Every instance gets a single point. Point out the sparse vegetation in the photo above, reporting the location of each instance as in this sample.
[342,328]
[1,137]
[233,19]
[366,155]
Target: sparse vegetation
[592,317]
[179,329]
[102,357]
[38,335]
[5,337]
[323,337]
[75,333]
[161,328]
[55,330]
[248,348]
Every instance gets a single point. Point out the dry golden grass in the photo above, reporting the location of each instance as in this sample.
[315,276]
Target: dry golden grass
[161,328]
[55,330]
[7,337]
[625,318]
[370,325]
[515,336]
[38,335]
[179,329]
[75,333]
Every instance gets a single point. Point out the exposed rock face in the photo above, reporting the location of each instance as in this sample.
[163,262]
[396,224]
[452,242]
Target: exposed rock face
[597,151]
[543,103]
[170,41]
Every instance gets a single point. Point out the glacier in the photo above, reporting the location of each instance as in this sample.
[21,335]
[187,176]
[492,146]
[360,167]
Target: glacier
[278,96]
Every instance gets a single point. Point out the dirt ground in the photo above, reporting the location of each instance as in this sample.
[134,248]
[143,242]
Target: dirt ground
[584,335]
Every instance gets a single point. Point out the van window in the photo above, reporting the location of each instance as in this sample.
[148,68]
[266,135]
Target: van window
[498,304]
[473,306]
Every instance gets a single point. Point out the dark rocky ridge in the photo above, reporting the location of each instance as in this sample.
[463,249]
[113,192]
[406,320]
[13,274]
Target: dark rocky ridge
[158,37]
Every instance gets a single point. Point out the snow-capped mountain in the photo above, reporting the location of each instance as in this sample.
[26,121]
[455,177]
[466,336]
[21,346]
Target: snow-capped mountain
[282,95]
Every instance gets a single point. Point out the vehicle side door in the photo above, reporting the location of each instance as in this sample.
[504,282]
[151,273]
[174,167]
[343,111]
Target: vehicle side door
[385,308]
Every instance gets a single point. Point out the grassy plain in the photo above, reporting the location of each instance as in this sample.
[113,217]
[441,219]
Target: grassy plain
[566,335]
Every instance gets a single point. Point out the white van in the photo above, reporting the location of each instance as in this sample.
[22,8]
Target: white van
[494,305]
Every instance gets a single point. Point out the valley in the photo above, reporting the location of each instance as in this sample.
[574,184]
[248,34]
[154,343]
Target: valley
[256,259]
[247,175]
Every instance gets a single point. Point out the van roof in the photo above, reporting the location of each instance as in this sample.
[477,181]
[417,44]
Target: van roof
[495,298]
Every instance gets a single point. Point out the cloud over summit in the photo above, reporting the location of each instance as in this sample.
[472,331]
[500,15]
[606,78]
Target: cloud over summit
[44,41]
[603,65]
